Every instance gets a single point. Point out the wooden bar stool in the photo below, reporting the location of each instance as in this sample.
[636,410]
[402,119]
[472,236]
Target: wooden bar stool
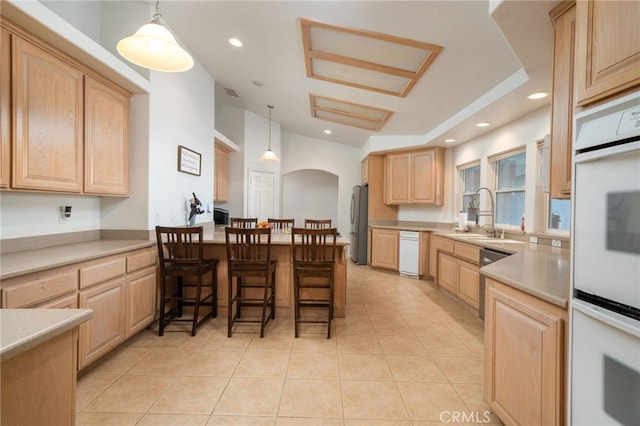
[314,255]
[282,224]
[182,262]
[317,223]
[249,262]
[241,222]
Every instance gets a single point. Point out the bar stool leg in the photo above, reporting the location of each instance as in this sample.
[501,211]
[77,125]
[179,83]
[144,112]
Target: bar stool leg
[230,307]
[196,308]
[162,305]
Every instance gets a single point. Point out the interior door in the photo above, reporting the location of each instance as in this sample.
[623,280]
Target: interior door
[261,193]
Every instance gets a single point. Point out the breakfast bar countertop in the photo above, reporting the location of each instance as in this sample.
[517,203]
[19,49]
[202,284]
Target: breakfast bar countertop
[217,236]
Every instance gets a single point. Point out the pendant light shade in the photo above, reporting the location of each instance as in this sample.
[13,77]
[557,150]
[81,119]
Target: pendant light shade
[154,47]
[269,155]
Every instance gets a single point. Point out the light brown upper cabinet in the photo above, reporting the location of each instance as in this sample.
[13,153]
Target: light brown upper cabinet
[563,17]
[5,107]
[607,49]
[48,108]
[364,171]
[64,127]
[221,175]
[106,139]
[415,177]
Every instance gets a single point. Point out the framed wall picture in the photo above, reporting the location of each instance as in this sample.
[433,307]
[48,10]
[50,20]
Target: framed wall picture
[189,161]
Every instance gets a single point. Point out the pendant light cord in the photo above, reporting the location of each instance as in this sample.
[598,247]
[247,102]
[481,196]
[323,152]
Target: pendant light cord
[270,108]
[157,15]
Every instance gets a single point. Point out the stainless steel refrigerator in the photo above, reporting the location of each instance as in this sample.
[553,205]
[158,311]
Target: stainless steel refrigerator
[359,223]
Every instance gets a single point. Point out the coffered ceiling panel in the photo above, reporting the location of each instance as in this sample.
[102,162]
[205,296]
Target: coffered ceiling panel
[365,59]
[348,113]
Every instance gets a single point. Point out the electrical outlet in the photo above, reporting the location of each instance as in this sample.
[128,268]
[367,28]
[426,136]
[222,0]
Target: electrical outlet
[556,243]
[62,218]
[533,239]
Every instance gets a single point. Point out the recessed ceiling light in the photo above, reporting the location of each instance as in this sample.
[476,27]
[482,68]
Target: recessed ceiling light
[235,42]
[449,140]
[483,124]
[538,95]
[327,131]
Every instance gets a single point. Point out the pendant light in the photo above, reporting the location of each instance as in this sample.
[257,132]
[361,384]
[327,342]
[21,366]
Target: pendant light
[269,155]
[154,47]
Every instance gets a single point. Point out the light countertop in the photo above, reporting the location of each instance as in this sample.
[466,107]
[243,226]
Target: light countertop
[24,329]
[26,262]
[539,270]
[278,237]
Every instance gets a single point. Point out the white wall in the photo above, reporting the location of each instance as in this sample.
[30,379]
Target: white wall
[310,194]
[525,131]
[26,215]
[304,153]
[181,113]
[256,141]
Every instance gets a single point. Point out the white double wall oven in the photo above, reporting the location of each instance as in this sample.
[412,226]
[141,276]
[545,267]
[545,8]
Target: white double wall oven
[605,303]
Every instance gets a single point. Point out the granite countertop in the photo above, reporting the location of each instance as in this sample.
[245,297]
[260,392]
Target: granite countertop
[24,329]
[539,270]
[26,262]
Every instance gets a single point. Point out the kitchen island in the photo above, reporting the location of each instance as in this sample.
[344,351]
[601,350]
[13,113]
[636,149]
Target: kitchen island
[38,348]
[215,248]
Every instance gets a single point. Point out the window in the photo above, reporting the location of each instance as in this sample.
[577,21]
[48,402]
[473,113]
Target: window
[470,177]
[510,187]
[559,217]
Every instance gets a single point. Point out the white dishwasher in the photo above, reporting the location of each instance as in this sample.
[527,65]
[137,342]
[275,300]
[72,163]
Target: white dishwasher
[409,253]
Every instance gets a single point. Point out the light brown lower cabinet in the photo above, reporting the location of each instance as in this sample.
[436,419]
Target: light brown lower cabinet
[385,247]
[39,385]
[457,270]
[106,330]
[140,300]
[121,290]
[525,356]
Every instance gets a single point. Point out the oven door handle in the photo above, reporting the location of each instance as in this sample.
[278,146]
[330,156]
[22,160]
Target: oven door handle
[583,157]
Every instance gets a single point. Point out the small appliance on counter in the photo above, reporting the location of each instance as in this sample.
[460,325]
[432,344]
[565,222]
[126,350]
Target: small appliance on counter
[220,216]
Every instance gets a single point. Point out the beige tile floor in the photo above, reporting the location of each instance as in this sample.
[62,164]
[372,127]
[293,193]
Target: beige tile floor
[405,354]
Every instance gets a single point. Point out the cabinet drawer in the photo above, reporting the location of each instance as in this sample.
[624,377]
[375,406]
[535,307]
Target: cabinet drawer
[66,302]
[141,260]
[40,290]
[469,252]
[443,244]
[103,271]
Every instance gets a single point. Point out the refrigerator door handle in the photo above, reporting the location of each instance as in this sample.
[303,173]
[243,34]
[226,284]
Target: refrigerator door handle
[353,207]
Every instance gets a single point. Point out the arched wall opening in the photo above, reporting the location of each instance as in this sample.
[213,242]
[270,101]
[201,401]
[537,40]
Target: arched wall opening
[310,194]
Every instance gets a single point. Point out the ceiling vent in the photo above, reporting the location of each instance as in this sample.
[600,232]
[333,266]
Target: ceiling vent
[348,113]
[367,60]
[231,92]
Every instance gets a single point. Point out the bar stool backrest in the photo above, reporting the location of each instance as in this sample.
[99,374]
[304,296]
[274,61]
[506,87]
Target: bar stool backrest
[313,246]
[180,245]
[248,246]
[317,223]
[242,222]
[282,224]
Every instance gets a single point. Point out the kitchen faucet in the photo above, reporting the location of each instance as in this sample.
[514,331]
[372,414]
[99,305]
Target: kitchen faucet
[492,229]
